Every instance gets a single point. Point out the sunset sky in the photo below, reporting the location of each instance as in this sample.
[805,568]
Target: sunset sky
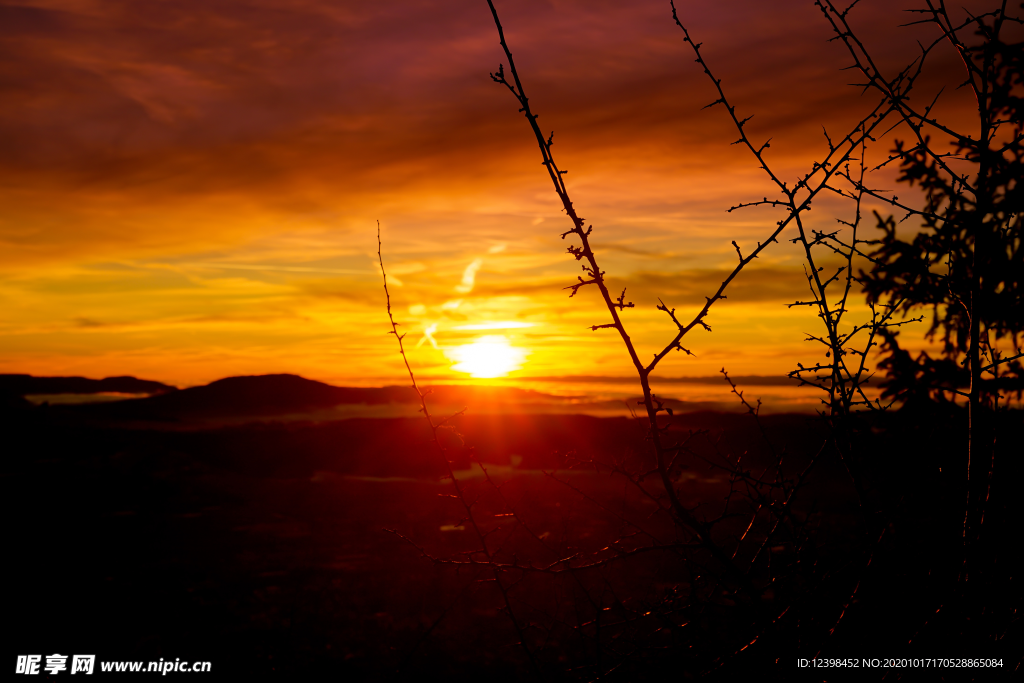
[191,189]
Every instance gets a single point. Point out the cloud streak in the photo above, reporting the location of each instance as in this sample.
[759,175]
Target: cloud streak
[469,277]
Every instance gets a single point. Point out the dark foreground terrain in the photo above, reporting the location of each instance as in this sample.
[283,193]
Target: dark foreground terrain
[266,546]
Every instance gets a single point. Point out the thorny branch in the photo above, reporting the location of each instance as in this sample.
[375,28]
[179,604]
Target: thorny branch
[596,277]
[460,494]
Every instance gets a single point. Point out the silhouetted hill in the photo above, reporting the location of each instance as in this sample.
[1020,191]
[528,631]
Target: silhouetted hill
[291,398]
[259,395]
[22,385]
[263,396]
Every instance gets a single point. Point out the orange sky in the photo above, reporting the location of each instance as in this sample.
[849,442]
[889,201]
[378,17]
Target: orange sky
[191,189]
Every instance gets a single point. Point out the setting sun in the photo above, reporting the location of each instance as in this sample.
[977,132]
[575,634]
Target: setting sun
[489,356]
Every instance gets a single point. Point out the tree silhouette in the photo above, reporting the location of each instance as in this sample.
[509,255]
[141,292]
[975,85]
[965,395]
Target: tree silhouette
[965,262]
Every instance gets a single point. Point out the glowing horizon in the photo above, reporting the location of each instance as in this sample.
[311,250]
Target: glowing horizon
[189,206]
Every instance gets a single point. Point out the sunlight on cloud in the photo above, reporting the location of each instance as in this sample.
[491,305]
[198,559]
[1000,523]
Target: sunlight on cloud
[469,277]
[428,336]
[275,268]
[496,325]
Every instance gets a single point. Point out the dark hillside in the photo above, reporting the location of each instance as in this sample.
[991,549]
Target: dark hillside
[22,385]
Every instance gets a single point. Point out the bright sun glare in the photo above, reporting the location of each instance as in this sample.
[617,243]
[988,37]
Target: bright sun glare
[488,356]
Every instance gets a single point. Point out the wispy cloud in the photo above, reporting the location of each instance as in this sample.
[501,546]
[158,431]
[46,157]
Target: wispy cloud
[428,336]
[469,277]
[275,268]
[496,325]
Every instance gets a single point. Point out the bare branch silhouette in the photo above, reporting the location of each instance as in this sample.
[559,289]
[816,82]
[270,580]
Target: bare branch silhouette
[460,494]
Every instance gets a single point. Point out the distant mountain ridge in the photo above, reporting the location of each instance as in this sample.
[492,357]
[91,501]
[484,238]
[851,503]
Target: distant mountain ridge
[257,395]
[289,397]
[282,394]
[749,380]
[25,385]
